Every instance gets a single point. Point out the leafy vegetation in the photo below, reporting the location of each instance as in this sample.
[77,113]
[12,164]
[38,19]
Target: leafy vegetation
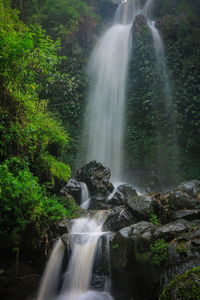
[33,140]
[159,252]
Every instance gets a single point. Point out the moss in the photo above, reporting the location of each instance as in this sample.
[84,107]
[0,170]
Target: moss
[181,248]
[183,287]
[143,257]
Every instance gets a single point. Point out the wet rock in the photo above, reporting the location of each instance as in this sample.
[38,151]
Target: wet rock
[181,200]
[171,230]
[62,227]
[171,205]
[98,281]
[141,229]
[185,286]
[192,187]
[187,214]
[118,218]
[73,188]
[141,206]
[99,201]
[66,239]
[139,22]
[122,194]
[97,177]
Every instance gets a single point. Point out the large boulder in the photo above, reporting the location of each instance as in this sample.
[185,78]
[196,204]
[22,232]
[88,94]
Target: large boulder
[118,218]
[171,230]
[97,177]
[187,214]
[192,188]
[122,193]
[99,201]
[141,206]
[72,188]
[141,229]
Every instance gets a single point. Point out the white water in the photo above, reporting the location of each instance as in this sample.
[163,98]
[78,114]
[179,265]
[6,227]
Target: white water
[85,234]
[108,68]
[159,53]
[50,278]
[85,196]
[84,237]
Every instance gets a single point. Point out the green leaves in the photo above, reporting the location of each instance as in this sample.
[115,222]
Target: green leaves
[159,252]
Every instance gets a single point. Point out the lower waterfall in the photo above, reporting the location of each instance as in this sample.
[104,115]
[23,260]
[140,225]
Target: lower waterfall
[84,236]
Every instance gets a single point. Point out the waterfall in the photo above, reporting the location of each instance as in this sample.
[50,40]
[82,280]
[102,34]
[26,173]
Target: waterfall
[167,101]
[85,196]
[108,68]
[49,283]
[159,53]
[84,237]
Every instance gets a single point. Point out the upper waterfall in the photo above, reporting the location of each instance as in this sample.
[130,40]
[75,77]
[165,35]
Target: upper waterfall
[108,68]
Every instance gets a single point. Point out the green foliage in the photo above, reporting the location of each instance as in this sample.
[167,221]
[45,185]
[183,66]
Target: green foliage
[54,169]
[32,139]
[23,200]
[159,252]
[153,218]
[65,19]
[115,246]
[184,287]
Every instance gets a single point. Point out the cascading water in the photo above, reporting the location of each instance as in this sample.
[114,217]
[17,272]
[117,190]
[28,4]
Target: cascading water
[167,102]
[159,52]
[85,196]
[84,236]
[108,68]
[49,283]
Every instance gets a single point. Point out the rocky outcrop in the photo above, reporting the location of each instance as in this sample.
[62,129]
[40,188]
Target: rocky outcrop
[184,287]
[144,255]
[72,188]
[122,193]
[118,218]
[97,177]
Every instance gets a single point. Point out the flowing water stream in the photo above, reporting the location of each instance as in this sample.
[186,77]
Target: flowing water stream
[84,242]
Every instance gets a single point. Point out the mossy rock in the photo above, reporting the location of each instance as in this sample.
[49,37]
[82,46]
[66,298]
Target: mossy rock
[183,287]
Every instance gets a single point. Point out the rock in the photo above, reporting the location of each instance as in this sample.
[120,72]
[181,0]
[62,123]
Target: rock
[62,227]
[133,275]
[99,201]
[98,281]
[118,218]
[183,287]
[192,187]
[187,214]
[141,206]
[142,229]
[139,22]
[73,188]
[167,204]
[181,200]
[171,230]
[122,194]
[66,239]
[97,177]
